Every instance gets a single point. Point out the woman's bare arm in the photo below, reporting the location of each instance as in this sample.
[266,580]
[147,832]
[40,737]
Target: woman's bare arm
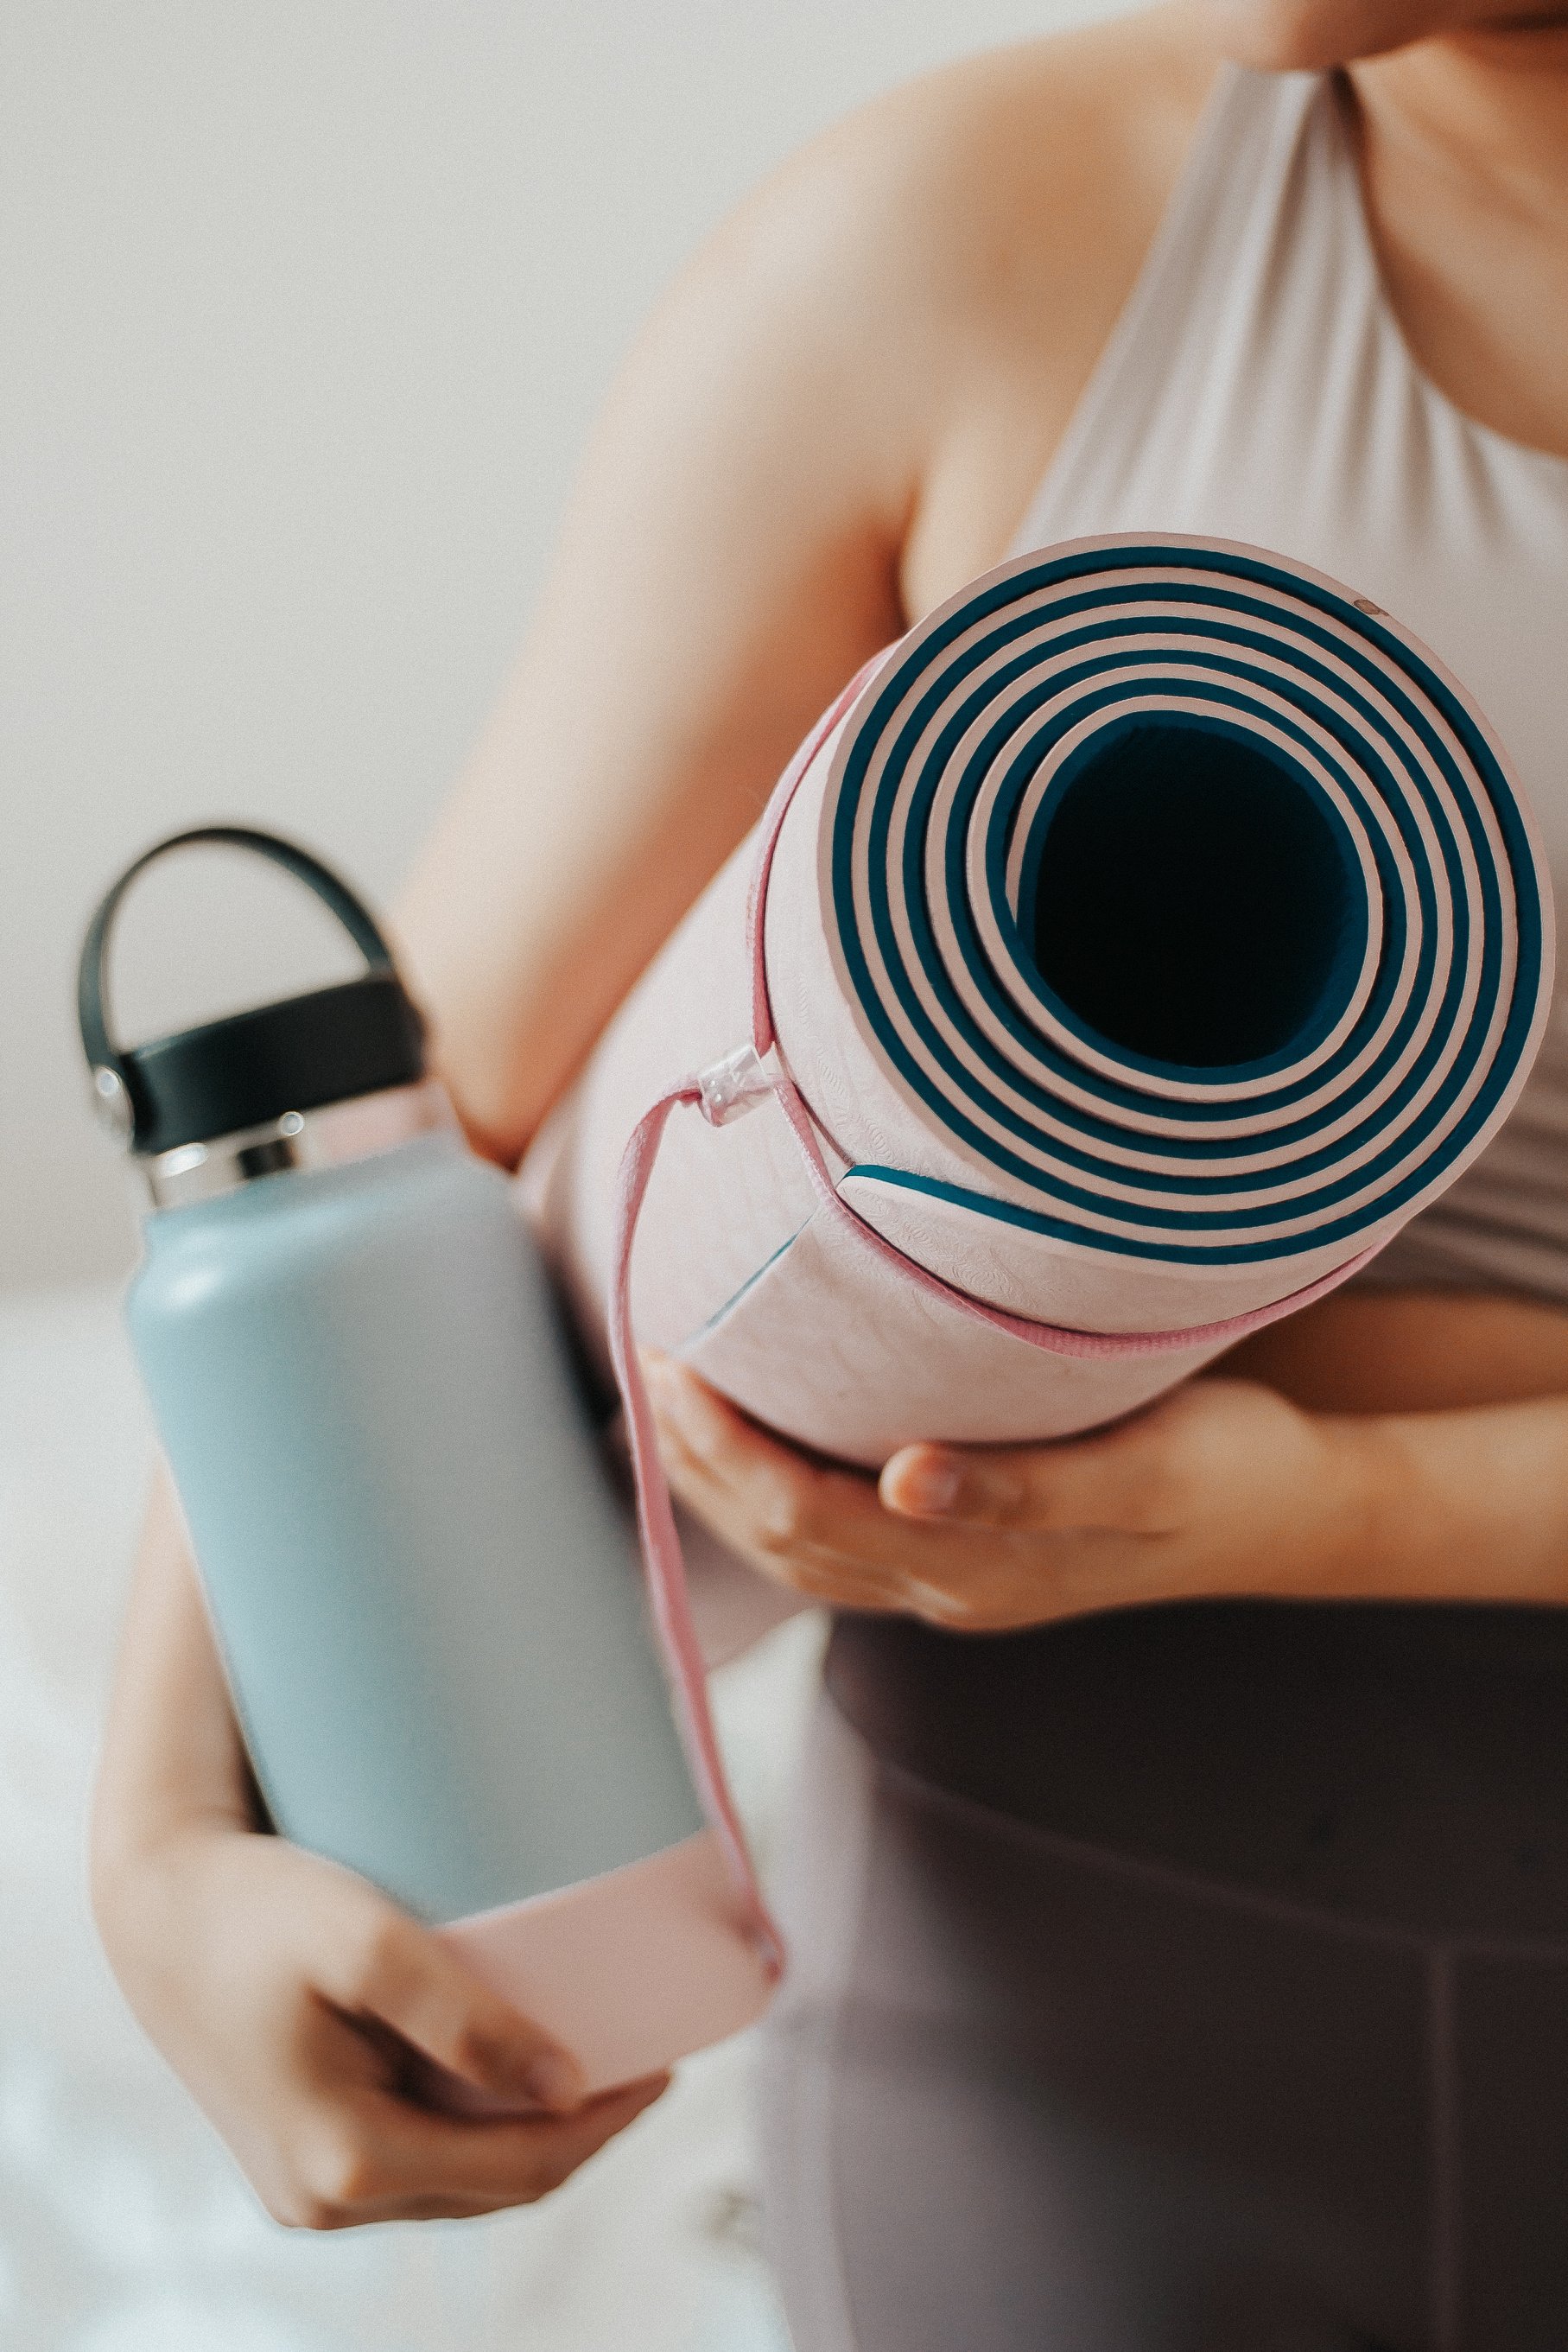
[835,419]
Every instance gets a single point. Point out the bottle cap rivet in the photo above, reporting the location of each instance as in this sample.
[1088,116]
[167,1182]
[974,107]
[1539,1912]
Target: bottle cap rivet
[111,1101]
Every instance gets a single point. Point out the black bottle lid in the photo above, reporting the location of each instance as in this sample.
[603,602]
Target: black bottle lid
[331,1045]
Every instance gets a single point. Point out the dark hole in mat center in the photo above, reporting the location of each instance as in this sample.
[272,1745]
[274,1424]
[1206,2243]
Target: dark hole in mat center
[1192,898]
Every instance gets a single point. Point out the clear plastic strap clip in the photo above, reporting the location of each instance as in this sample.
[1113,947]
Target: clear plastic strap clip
[727,1089]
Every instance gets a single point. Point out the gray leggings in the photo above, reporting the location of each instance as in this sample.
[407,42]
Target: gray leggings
[1195,1981]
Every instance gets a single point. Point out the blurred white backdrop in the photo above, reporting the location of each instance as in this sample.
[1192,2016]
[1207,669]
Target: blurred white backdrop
[308,307]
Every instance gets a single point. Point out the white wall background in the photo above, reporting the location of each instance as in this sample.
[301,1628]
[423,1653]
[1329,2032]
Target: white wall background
[307,307]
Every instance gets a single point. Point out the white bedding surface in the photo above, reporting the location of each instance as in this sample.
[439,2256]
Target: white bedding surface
[125,2226]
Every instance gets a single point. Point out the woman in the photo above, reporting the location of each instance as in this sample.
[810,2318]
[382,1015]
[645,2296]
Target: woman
[1186,1975]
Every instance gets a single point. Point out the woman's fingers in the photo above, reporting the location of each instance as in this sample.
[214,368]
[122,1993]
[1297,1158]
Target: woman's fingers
[971,1539]
[824,1531]
[507,2161]
[374,2157]
[978,1537]
[394,1973]
[310,2016]
[1127,1480]
[1016,1486]
[798,1520]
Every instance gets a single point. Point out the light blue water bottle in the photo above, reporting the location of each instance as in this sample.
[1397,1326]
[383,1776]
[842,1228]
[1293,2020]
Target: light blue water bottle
[424,1586]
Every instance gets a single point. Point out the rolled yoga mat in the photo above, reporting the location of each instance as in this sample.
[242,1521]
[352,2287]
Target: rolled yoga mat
[1138,944]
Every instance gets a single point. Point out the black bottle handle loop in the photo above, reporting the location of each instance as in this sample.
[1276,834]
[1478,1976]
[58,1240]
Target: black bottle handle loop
[114,1085]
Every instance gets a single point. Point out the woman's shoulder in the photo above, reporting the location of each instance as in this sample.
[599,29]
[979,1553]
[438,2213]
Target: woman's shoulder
[860,376]
[960,246]
[1069,115]
[1006,174]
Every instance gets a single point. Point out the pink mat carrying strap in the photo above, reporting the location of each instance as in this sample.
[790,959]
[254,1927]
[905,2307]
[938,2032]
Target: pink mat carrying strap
[727,1090]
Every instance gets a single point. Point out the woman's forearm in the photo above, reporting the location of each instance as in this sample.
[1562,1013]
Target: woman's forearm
[171,1751]
[1470,1504]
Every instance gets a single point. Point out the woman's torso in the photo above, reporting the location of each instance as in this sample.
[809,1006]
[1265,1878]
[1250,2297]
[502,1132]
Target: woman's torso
[1257,387]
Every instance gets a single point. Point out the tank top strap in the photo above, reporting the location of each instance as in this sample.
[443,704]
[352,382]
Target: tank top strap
[1191,346]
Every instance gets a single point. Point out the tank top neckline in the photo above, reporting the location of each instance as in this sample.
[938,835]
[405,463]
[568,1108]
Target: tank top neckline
[1243,93]
[1339,100]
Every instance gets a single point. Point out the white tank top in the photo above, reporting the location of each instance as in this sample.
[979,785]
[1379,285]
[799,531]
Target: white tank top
[1258,386]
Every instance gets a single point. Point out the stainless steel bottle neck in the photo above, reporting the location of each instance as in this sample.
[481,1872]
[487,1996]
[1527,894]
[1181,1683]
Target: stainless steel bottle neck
[309,1139]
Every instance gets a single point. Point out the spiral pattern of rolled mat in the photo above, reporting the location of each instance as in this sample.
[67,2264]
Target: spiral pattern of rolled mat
[1133,950]
[1186,899]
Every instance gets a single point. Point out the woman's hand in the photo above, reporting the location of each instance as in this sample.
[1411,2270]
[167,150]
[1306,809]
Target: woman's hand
[307,2013]
[311,2018]
[1224,1487]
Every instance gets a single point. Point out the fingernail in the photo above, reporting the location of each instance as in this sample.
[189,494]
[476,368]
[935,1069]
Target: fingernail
[925,1486]
[554,2080]
[668,1393]
[684,1407]
[668,1390]
[935,1602]
[650,2087]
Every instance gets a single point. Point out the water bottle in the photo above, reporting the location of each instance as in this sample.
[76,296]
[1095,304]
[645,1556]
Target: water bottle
[423,1583]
